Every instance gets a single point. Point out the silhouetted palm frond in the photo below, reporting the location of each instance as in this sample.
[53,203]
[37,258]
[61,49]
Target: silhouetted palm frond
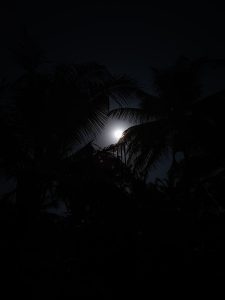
[145,144]
[136,115]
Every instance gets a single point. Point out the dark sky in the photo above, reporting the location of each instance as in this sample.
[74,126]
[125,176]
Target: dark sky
[126,37]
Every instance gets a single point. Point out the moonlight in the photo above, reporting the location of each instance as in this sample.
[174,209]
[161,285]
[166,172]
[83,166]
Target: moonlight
[118,133]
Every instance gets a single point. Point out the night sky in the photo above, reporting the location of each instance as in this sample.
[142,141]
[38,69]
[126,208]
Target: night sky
[128,38]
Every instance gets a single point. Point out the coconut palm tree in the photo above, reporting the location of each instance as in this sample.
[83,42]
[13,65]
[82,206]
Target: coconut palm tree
[171,120]
[48,117]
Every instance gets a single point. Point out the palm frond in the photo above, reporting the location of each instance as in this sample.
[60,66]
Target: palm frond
[150,159]
[136,115]
[145,144]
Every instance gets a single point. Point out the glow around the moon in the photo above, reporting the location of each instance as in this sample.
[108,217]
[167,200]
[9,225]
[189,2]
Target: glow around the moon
[112,132]
[118,133]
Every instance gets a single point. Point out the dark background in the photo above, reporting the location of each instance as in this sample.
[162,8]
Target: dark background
[127,37]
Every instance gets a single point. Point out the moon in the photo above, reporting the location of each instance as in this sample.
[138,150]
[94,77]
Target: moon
[112,132]
[118,133]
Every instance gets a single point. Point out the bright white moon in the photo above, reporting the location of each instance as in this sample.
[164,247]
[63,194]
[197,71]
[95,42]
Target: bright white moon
[118,133]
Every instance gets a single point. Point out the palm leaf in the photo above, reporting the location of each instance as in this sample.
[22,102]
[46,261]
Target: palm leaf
[136,115]
[145,144]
